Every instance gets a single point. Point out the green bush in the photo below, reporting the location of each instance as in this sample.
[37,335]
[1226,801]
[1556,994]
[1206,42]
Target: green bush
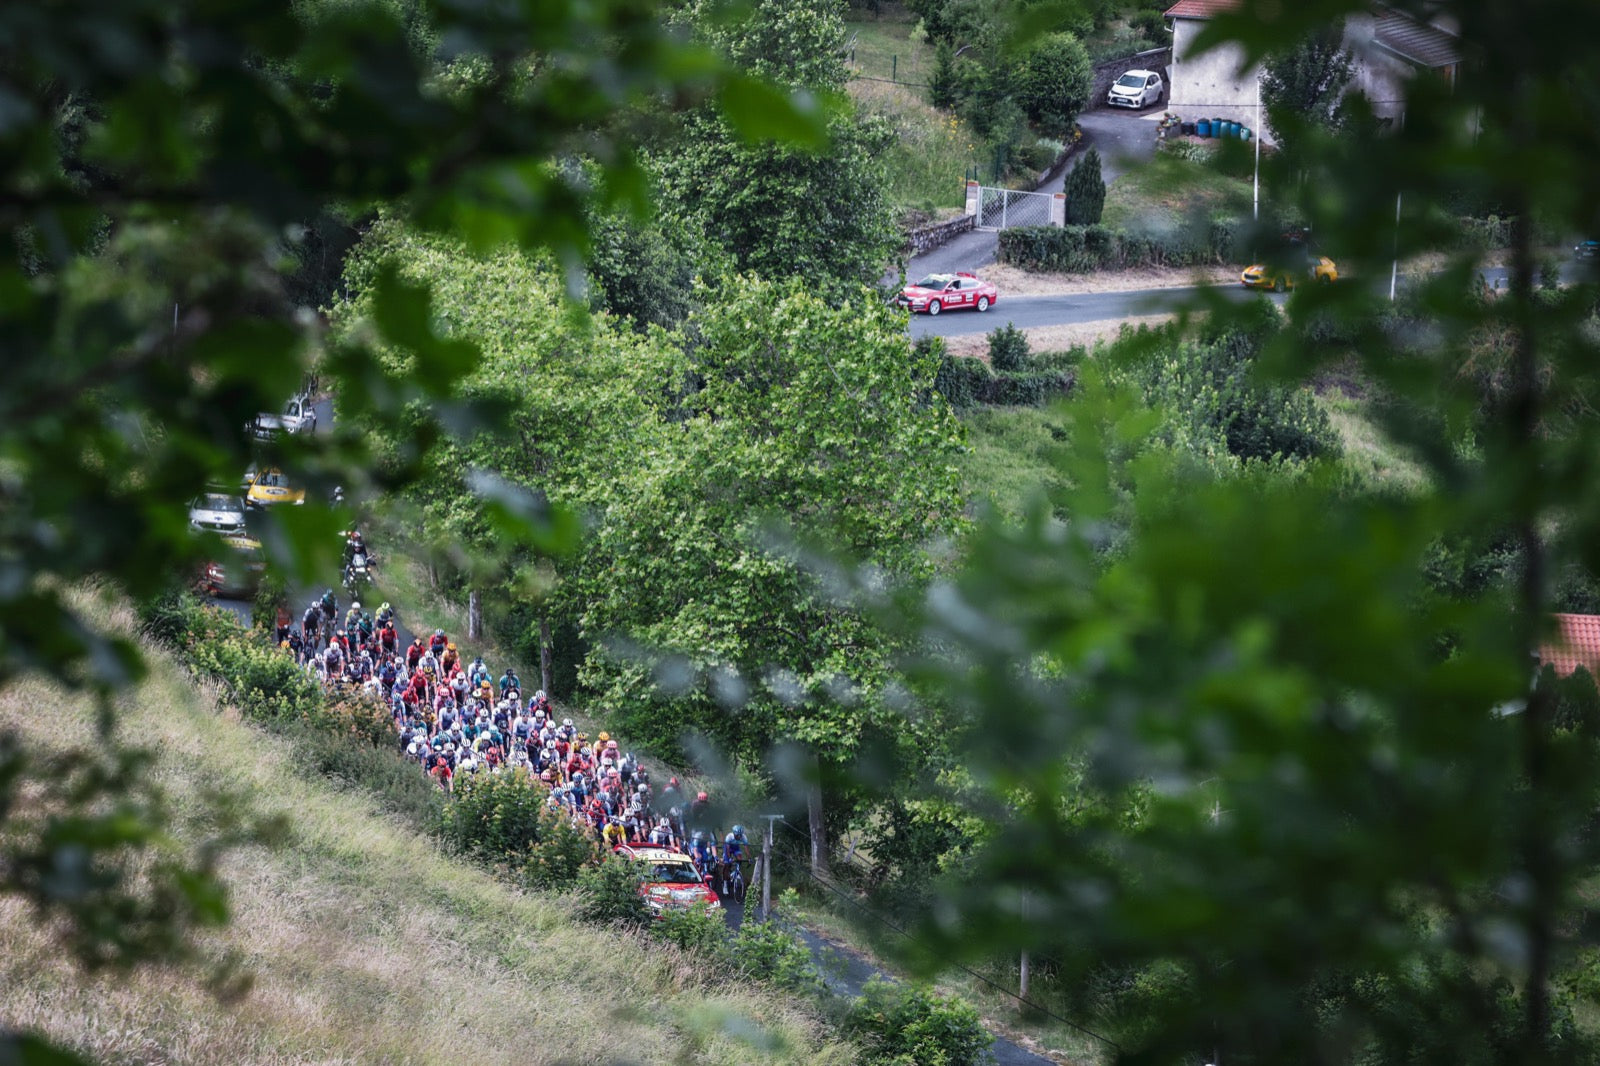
[1081,249]
[1054,82]
[561,854]
[965,382]
[1210,390]
[768,951]
[494,817]
[1086,191]
[1008,349]
[907,1025]
[698,929]
[608,894]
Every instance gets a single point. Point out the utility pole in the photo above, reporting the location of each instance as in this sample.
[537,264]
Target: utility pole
[766,868]
[1256,213]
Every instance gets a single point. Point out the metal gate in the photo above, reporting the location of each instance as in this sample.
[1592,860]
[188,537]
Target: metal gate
[1004,208]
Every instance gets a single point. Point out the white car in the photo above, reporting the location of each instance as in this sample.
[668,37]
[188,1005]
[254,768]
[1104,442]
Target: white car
[216,512]
[299,416]
[1136,89]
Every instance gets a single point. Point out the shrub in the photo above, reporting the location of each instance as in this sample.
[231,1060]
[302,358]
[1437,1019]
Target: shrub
[1008,348]
[1208,386]
[561,854]
[257,677]
[907,1025]
[967,382]
[768,951]
[608,894]
[1054,82]
[698,929]
[495,817]
[1086,190]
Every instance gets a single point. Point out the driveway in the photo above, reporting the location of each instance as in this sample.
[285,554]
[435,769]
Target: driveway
[1124,138]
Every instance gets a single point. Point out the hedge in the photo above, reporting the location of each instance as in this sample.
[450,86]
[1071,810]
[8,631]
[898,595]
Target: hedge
[965,382]
[1081,249]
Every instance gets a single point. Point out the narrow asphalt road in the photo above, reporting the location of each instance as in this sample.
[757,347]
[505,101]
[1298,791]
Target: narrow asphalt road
[1124,138]
[1028,312]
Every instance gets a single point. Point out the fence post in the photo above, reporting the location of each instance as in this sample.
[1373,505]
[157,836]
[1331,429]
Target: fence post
[1005,208]
[894,69]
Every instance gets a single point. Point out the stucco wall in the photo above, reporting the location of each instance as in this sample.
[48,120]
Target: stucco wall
[1211,85]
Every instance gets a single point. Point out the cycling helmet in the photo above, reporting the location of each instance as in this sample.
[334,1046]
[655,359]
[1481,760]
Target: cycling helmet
[565,722]
[672,782]
[355,605]
[702,797]
[604,736]
[643,789]
[438,632]
[738,830]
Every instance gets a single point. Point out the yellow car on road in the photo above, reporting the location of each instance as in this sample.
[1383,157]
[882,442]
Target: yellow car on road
[1261,276]
[270,488]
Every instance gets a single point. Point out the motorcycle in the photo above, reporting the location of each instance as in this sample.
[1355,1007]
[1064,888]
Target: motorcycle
[358,574]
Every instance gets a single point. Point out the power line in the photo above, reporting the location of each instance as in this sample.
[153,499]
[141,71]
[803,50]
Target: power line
[964,969]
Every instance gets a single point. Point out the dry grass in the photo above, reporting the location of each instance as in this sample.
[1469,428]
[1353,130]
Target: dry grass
[1055,338]
[1014,281]
[369,946]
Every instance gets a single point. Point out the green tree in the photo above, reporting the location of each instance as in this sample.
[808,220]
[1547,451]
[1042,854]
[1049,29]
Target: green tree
[805,423]
[784,210]
[1054,82]
[1305,86]
[1086,190]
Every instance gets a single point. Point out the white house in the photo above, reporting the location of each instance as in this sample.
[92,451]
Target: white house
[1388,48]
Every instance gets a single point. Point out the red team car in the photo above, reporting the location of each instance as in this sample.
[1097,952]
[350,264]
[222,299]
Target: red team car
[947,292]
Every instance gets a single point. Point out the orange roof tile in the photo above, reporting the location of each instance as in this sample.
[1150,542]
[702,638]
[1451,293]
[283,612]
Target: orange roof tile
[1575,643]
[1200,9]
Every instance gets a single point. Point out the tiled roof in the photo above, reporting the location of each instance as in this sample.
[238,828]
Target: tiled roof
[1575,643]
[1200,9]
[1416,42]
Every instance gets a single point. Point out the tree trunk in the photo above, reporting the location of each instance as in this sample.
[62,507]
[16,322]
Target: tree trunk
[545,653]
[474,615]
[819,831]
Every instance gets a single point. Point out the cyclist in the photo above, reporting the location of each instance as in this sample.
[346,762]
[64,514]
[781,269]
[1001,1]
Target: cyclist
[330,607]
[734,844]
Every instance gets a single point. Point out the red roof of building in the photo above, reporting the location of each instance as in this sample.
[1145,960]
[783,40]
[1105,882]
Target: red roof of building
[1575,643]
[1200,9]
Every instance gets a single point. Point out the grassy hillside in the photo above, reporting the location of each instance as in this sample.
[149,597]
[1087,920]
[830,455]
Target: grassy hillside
[1012,456]
[367,944]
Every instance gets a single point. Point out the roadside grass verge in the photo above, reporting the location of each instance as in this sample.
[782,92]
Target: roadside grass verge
[366,943]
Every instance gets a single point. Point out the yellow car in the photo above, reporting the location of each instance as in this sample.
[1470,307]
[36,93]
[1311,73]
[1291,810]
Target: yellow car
[1260,276]
[271,487]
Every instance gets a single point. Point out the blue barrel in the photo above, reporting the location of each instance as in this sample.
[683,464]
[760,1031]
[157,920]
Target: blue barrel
[1244,133]
[1230,129]
[1202,128]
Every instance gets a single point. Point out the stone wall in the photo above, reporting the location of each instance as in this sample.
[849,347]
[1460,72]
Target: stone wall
[925,239]
[1108,71]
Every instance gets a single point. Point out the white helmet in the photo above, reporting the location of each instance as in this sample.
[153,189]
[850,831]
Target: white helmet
[566,722]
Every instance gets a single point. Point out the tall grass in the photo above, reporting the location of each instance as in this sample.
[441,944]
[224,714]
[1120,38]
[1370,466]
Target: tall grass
[1013,456]
[928,163]
[366,943]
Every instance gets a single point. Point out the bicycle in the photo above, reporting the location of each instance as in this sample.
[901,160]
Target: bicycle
[733,886]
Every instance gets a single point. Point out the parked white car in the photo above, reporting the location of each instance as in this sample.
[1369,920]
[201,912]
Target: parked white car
[1136,89]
